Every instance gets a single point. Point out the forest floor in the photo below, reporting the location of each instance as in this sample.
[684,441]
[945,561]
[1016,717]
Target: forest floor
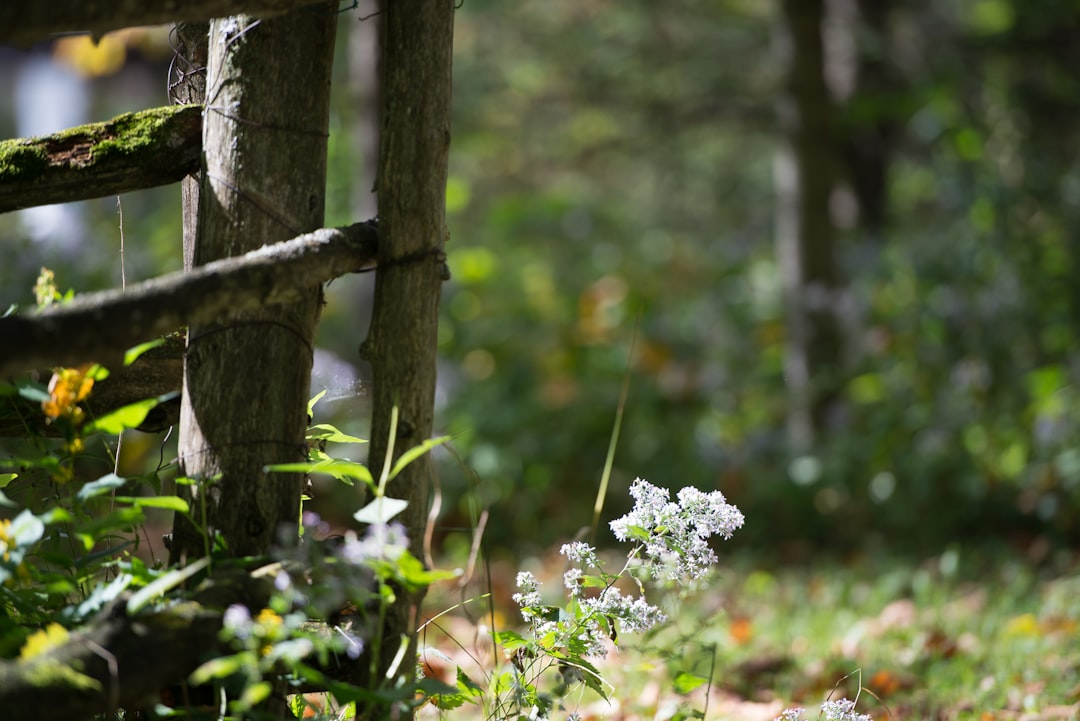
[962,636]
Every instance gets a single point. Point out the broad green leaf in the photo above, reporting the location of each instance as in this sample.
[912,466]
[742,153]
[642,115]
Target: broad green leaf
[6,478]
[132,354]
[170,580]
[380,510]
[685,683]
[172,503]
[100,487]
[327,432]
[130,416]
[467,686]
[415,452]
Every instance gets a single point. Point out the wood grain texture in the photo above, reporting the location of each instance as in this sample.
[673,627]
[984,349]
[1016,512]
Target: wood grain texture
[264,179]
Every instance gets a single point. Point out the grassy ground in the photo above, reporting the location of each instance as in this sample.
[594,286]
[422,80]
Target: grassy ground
[962,636]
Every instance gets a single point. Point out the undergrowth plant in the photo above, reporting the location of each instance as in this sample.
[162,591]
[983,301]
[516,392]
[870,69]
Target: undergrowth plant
[71,549]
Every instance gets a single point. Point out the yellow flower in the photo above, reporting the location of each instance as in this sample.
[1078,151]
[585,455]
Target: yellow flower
[43,641]
[5,538]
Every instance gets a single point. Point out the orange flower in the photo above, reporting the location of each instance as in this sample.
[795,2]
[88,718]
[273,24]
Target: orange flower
[67,388]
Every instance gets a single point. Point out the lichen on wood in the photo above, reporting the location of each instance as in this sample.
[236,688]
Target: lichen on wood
[130,152]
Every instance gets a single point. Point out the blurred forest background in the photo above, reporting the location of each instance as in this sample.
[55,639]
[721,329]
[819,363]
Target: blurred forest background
[836,247]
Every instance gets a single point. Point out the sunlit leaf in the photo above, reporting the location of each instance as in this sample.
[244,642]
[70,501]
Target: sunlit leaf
[311,403]
[327,432]
[6,478]
[129,416]
[685,683]
[338,468]
[255,694]
[413,453]
[221,667]
[172,503]
[132,354]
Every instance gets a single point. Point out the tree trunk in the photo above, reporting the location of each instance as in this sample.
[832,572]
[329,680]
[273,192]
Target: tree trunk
[401,346]
[804,226]
[247,381]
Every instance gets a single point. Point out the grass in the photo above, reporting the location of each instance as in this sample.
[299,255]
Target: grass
[964,636]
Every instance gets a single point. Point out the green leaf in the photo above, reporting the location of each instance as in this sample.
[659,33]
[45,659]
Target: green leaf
[338,468]
[254,695]
[467,686]
[415,452]
[434,687]
[132,354]
[6,478]
[97,372]
[56,515]
[100,487]
[33,392]
[172,503]
[130,416]
[380,510]
[170,580]
[121,518]
[510,640]
[685,683]
[313,401]
[327,432]
[221,667]
[5,501]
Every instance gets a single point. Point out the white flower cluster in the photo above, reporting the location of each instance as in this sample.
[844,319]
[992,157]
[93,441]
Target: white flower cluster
[633,613]
[382,541]
[674,536]
[842,710]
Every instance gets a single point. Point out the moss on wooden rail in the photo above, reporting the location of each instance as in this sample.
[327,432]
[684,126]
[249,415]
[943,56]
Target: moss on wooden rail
[130,152]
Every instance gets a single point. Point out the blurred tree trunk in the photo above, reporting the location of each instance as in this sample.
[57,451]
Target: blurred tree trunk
[247,381]
[804,174]
[417,39]
[869,124]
